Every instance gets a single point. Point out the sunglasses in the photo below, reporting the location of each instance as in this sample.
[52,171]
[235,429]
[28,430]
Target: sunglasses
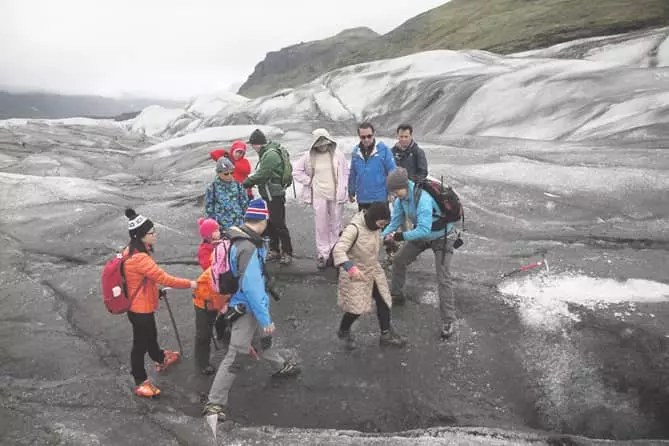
[225,173]
[366,136]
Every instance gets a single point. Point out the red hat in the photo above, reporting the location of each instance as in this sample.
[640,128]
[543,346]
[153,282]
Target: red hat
[238,145]
[207,227]
[218,153]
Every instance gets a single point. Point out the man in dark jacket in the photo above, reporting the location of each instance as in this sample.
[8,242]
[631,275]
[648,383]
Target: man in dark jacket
[408,155]
[268,178]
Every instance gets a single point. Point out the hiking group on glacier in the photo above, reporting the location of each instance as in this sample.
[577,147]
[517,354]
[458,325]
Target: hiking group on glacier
[232,295]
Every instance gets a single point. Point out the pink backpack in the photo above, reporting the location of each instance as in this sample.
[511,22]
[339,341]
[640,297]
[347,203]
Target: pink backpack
[114,287]
[223,281]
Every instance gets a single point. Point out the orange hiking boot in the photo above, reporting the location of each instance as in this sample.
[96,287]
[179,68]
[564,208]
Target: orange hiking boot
[147,390]
[170,358]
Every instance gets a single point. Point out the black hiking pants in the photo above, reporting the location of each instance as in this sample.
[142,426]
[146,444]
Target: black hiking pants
[144,340]
[277,231]
[382,313]
[204,326]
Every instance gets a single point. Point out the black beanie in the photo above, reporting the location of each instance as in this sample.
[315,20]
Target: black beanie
[377,211]
[138,225]
[257,138]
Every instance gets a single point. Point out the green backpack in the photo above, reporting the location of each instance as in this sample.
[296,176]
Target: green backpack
[287,172]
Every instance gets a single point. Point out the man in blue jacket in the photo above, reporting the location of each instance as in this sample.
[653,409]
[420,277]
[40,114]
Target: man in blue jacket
[371,162]
[254,327]
[429,232]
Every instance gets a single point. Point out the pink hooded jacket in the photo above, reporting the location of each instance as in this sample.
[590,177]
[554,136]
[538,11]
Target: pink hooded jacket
[303,170]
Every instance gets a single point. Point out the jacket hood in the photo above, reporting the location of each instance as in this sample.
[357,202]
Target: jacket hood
[247,233]
[318,134]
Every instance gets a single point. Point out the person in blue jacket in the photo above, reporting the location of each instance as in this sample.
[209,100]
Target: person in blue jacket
[254,328]
[428,233]
[371,162]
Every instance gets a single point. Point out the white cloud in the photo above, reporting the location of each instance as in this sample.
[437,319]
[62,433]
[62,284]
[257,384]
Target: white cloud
[167,48]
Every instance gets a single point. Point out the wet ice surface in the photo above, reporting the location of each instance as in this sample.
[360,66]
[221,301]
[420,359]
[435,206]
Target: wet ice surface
[582,350]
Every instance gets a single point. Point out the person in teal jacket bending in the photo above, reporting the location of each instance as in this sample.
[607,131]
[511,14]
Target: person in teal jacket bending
[428,232]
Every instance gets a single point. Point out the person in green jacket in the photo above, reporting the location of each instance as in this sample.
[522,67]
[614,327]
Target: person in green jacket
[273,174]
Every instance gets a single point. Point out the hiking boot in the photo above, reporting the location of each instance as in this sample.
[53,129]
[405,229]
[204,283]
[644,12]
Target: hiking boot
[321,264]
[147,390]
[391,339]
[288,369]
[347,336]
[215,409]
[399,299]
[273,256]
[170,358]
[447,331]
[208,371]
[286,259]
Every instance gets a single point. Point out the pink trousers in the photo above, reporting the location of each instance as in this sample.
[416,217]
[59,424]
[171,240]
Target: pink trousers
[327,216]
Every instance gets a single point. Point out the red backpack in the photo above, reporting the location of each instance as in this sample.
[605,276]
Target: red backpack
[114,287]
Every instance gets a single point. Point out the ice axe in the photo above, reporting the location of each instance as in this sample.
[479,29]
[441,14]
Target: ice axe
[528,267]
[163,295]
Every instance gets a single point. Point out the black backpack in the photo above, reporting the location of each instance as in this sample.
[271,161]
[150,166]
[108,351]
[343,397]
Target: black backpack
[447,200]
[330,261]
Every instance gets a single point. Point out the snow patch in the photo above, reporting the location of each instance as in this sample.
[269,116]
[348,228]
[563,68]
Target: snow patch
[211,134]
[663,53]
[18,191]
[209,105]
[543,300]
[153,120]
[563,180]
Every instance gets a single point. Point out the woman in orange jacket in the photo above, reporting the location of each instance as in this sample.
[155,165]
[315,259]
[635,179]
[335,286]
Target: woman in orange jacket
[142,276]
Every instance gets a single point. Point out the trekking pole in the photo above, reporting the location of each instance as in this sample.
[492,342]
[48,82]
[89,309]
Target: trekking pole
[163,295]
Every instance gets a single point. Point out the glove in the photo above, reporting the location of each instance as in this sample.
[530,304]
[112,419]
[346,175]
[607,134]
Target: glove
[398,236]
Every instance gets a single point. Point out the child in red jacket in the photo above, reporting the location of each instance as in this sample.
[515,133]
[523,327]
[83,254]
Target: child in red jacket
[237,155]
[210,234]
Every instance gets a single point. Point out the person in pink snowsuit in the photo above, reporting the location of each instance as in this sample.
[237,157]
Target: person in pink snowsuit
[323,173]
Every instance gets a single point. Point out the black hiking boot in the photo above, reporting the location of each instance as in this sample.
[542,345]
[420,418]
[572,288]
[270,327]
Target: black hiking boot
[286,259]
[215,409]
[349,340]
[392,339]
[273,256]
[447,331]
[289,369]
[321,264]
[208,371]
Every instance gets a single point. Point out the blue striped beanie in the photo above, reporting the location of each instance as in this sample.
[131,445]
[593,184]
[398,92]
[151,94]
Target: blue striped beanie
[257,210]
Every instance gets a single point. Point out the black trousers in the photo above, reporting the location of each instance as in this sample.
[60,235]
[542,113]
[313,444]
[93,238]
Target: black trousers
[204,325]
[144,340]
[382,313]
[277,231]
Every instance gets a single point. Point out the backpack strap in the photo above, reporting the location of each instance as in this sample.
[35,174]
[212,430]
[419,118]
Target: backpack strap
[141,285]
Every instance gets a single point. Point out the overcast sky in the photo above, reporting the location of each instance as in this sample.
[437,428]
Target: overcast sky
[167,48]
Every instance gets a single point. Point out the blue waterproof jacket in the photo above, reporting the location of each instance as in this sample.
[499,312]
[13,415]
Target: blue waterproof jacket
[247,263]
[367,180]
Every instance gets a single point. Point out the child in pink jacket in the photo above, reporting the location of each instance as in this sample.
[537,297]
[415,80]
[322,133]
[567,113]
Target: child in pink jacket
[323,172]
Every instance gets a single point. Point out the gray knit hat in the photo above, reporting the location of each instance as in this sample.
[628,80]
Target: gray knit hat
[398,179]
[224,165]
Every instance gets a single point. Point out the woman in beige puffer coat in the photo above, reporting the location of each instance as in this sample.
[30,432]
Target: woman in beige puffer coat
[364,279]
